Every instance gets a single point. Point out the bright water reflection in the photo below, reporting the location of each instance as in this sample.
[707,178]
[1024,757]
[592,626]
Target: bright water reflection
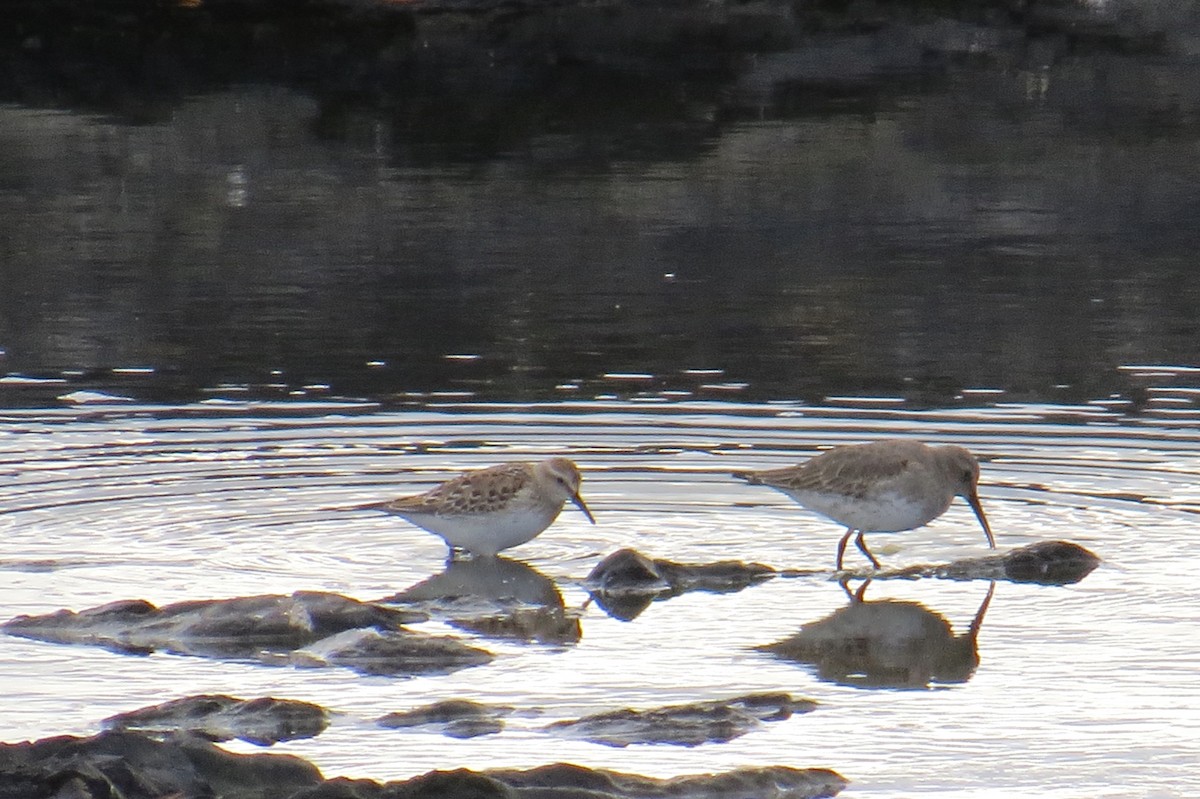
[1080,690]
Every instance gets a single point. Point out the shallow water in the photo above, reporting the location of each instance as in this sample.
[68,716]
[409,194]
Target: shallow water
[992,215]
[1081,690]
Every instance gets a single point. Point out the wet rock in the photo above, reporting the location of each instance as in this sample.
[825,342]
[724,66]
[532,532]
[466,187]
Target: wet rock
[455,718]
[888,643]
[685,725]
[627,571]
[1050,563]
[1045,562]
[218,717]
[626,582]
[306,628]
[242,627]
[496,597]
[566,781]
[457,784]
[128,765]
[391,653]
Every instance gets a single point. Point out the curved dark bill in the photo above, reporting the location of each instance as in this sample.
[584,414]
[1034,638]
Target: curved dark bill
[578,500]
[973,498]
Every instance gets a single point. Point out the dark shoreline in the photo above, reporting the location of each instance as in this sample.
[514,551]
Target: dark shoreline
[126,765]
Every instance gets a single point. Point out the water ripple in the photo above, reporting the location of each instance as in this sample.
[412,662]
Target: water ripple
[149,503]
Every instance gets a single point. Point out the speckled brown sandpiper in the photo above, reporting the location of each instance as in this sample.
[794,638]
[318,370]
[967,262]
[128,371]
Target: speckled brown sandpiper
[881,487]
[488,510]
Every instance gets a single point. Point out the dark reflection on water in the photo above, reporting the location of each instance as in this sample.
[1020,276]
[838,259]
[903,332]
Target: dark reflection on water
[769,202]
[497,597]
[885,644]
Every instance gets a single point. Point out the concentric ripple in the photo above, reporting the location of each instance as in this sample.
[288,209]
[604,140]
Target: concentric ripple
[1080,690]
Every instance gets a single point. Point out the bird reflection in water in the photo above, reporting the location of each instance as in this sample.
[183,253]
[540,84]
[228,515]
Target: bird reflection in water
[888,643]
[496,597]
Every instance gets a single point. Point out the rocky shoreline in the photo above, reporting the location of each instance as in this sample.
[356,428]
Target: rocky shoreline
[170,749]
[128,765]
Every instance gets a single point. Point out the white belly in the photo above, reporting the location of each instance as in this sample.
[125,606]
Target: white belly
[488,533]
[880,513]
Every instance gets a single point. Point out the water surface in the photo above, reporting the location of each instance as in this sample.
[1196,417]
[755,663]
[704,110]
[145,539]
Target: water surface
[252,269]
[1080,690]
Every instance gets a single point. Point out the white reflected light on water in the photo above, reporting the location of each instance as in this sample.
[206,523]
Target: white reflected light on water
[1086,689]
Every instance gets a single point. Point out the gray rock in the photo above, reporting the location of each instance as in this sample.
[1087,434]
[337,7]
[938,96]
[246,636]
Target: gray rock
[684,725]
[391,653]
[566,781]
[129,765]
[626,582]
[455,718]
[218,717]
[305,629]
[1045,562]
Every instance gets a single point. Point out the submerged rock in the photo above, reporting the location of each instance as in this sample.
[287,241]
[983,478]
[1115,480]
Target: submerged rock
[685,725]
[306,628]
[626,582]
[575,782]
[496,597]
[1044,562]
[129,765]
[218,717]
[229,628]
[885,644]
[455,718]
[391,653]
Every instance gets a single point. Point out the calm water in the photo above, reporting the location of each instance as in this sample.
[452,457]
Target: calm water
[249,271]
[911,212]
[1083,690]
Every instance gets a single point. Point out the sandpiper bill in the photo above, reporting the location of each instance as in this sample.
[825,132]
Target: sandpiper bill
[489,510]
[881,487]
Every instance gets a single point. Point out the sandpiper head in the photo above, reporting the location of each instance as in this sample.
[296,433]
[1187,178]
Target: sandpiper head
[561,476]
[962,469]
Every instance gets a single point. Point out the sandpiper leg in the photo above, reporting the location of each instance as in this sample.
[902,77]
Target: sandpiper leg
[842,546]
[862,547]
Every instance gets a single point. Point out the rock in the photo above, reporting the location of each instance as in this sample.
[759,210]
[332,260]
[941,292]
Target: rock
[221,718]
[391,653]
[241,627]
[627,571]
[496,597]
[307,629]
[1050,563]
[455,718]
[566,781]
[459,784]
[129,765]
[685,725]
[888,643]
[1045,562]
[626,582]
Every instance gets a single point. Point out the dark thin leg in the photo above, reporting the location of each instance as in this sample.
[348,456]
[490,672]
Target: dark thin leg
[854,596]
[842,546]
[977,622]
[862,547]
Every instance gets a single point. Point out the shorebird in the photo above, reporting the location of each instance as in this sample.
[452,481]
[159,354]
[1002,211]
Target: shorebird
[488,510]
[881,487]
